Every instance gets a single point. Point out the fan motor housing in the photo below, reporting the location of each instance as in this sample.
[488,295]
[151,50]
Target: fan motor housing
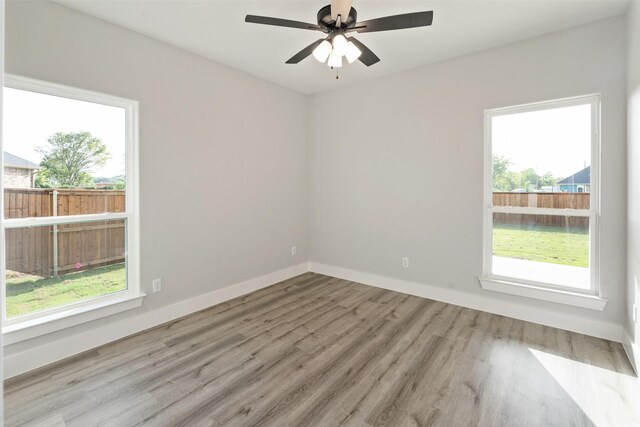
[324,18]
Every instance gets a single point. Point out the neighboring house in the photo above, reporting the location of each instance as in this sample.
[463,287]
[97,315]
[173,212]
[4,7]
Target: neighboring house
[18,172]
[579,182]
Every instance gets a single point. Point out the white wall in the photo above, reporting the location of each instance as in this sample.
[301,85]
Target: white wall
[397,167]
[633,170]
[223,154]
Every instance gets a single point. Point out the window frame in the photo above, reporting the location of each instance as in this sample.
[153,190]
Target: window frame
[587,298]
[30,325]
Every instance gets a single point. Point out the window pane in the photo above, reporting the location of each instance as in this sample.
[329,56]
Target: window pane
[51,266]
[542,248]
[73,148]
[545,151]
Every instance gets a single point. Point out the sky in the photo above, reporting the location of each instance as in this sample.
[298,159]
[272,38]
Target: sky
[556,140]
[30,118]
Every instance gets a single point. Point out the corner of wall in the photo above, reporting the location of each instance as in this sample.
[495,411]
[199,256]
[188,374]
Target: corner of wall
[633,181]
[69,346]
[632,350]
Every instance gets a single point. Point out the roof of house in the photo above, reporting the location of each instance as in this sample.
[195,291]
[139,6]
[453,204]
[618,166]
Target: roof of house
[19,162]
[581,177]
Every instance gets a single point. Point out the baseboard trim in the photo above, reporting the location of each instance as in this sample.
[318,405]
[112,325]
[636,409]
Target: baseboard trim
[34,358]
[633,351]
[21,362]
[583,325]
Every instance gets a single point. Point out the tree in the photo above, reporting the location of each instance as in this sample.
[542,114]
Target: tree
[548,180]
[117,182]
[502,177]
[69,158]
[528,179]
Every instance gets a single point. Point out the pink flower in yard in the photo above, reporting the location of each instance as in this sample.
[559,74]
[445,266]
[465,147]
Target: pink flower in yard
[78,265]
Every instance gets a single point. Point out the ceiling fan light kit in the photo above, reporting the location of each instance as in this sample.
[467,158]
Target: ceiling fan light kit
[338,43]
[335,49]
[352,53]
[321,53]
[335,60]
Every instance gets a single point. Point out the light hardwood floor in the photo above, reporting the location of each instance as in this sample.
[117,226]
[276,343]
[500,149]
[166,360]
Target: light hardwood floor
[315,350]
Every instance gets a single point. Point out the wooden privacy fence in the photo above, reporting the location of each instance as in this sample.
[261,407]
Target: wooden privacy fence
[542,200]
[50,250]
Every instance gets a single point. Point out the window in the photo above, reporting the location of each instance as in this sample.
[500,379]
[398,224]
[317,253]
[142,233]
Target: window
[70,202]
[541,198]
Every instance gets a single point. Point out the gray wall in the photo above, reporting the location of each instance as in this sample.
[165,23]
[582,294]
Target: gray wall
[633,165]
[238,141]
[398,170]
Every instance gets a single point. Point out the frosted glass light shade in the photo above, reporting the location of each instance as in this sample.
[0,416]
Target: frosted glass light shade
[335,60]
[321,53]
[352,52]
[340,45]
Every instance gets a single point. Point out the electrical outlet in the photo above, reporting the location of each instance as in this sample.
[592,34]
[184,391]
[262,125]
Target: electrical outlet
[157,285]
[294,250]
[405,262]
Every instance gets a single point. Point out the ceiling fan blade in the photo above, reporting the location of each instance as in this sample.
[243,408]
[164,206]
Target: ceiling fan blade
[340,7]
[304,52]
[367,57]
[395,22]
[281,22]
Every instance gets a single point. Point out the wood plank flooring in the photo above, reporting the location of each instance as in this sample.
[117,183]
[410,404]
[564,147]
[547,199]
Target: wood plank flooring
[320,351]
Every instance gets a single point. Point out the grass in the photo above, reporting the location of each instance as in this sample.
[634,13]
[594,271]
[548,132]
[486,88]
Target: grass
[556,245]
[28,294]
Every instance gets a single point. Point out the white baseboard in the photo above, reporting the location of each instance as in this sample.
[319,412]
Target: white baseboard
[633,351]
[21,362]
[583,325]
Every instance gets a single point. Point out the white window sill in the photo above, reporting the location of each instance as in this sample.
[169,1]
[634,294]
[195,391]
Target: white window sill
[575,299]
[24,329]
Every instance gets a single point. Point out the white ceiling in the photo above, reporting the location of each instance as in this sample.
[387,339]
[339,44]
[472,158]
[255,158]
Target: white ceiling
[216,30]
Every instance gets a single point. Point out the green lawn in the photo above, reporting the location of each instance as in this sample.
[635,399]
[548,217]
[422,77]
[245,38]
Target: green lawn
[27,294]
[556,245]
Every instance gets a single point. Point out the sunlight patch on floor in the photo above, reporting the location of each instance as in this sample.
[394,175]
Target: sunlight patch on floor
[608,398]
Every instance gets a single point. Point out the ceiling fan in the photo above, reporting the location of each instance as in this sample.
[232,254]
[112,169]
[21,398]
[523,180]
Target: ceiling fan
[338,20]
